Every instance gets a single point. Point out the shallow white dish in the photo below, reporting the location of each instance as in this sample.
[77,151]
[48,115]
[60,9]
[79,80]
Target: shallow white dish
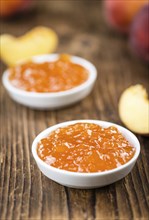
[86,180]
[57,99]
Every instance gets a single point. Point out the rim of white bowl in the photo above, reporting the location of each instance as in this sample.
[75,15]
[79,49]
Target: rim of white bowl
[53,57]
[123,130]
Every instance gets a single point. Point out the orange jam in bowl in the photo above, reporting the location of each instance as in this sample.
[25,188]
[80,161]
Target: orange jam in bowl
[85,147]
[50,76]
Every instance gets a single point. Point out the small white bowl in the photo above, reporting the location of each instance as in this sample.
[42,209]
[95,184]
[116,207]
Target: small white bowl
[52,100]
[86,180]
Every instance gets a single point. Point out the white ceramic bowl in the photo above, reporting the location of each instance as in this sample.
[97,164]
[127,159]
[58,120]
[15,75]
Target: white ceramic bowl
[52,100]
[86,180]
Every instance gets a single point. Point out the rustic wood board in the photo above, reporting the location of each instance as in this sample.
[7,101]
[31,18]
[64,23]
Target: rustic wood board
[24,192]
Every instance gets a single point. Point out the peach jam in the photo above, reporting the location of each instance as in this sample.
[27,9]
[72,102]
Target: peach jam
[85,147]
[55,76]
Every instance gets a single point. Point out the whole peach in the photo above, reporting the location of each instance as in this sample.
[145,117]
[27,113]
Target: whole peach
[139,34]
[120,13]
[10,7]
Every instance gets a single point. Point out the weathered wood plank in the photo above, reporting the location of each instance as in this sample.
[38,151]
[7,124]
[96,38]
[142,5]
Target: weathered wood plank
[24,192]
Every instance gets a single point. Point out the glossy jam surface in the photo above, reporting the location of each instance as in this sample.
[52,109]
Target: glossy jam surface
[85,147]
[53,76]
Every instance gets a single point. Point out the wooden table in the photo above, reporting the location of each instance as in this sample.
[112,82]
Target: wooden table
[24,192]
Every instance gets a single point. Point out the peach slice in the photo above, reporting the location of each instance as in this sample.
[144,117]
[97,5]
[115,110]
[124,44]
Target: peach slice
[40,40]
[134,109]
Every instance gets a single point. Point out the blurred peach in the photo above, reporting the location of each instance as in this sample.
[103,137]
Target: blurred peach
[139,34]
[120,13]
[10,7]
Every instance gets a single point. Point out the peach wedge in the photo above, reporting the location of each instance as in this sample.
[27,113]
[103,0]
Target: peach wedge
[40,40]
[134,109]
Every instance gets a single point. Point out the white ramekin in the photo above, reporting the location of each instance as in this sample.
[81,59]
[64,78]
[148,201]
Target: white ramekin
[52,100]
[86,180]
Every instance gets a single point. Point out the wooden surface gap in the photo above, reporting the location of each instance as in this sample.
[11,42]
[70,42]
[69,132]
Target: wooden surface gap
[140,192]
[13,166]
[27,174]
[145,161]
[68,203]
[7,158]
[20,170]
[134,200]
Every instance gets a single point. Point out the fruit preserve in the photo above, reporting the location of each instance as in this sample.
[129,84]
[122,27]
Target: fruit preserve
[85,147]
[55,76]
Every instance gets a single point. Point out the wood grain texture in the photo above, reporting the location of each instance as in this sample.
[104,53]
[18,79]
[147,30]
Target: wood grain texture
[24,192]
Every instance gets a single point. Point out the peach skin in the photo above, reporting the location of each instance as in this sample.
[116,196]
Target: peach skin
[119,14]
